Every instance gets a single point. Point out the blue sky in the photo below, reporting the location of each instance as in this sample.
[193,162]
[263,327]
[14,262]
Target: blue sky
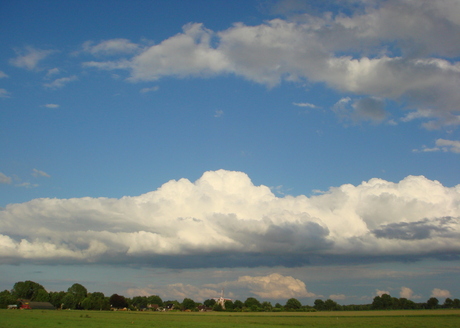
[178,147]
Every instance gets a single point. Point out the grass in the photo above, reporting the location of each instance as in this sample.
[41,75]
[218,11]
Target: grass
[96,319]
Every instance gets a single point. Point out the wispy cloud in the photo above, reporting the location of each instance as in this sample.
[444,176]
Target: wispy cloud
[151,89]
[219,113]
[38,173]
[61,82]
[305,104]
[51,106]
[29,57]
[3,75]
[4,179]
[4,93]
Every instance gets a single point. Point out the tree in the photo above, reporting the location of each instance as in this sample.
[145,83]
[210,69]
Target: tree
[330,305]
[238,304]
[252,303]
[448,303]
[209,303]
[188,304]
[118,301]
[26,289]
[42,296]
[228,305]
[319,305]
[140,302]
[293,304]
[79,293]
[267,306]
[155,299]
[6,298]
[432,303]
[56,298]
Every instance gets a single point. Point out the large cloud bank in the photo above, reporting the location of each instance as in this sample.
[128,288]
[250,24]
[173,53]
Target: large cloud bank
[222,219]
[404,50]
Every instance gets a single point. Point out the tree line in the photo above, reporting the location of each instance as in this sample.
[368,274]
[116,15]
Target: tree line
[77,297]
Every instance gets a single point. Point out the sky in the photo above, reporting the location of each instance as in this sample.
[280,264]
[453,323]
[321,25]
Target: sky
[276,149]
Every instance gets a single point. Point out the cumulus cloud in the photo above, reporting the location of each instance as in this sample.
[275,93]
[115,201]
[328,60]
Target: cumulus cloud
[274,286]
[408,293]
[381,292]
[29,57]
[61,82]
[223,220]
[376,53]
[441,293]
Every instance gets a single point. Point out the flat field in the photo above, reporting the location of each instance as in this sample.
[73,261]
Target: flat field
[96,319]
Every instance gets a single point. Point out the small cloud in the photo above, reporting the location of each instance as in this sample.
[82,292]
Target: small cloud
[3,75]
[305,104]
[152,89]
[51,106]
[381,292]
[449,145]
[218,113]
[59,83]
[365,109]
[111,47]
[29,57]
[408,293]
[4,93]
[441,293]
[53,71]
[337,297]
[4,179]
[444,145]
[27,185]
[38,173]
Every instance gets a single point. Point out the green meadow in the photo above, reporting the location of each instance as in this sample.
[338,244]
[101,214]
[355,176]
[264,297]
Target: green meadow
[103,319]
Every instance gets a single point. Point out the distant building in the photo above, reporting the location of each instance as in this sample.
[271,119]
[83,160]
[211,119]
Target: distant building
[26,304]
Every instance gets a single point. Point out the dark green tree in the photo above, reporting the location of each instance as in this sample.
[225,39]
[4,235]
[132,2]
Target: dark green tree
[267,306]
[238,304]
[188,304]
[228,305]
[79,293]
[56,298]
[42,296]
[432,303]
[293,304]
[118,301]
[448,303]
[6,298]
[26,289]
[252,304]
[319,305]
[155,299]
[209,303]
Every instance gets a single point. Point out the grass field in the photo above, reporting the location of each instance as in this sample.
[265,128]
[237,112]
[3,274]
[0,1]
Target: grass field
[96,319]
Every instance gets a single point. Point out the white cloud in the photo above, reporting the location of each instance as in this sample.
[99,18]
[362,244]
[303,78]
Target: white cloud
[3,75]
[4,179]
[441,293]
[274,286]
[53,71]
[218,113]
[305,104]
[29,185]
[376,53]
[379,292]
[111,47]
[38,173]
[4,93]
[449,145]
[408,293]
[29,57]
[152,89]
[442,145]
[61,82]
[225,218]
[51,106]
